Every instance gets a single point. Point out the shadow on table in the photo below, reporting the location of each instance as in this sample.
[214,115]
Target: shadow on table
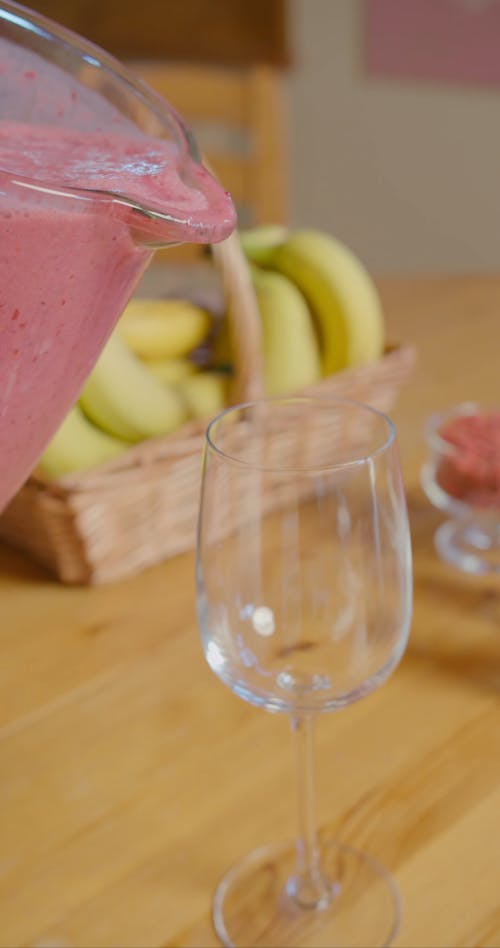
[478,667]
[19,568]
[456,616]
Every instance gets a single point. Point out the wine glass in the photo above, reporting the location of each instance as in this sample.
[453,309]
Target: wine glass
[304,593]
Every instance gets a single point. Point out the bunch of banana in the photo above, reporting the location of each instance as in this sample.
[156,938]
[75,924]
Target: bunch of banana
[143,385]
[320,313]
[125,400]
[163,328]
[340,297]
[163,334]
[77,446]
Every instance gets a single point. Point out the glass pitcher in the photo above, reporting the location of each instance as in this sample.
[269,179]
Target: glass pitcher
[96,171]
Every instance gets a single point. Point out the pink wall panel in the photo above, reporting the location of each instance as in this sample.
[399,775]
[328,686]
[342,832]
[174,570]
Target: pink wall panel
[452,40]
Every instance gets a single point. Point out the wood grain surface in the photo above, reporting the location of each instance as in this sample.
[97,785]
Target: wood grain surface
[131,778]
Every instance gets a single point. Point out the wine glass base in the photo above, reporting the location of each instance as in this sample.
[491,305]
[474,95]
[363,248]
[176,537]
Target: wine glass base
[468,547]
[253,905]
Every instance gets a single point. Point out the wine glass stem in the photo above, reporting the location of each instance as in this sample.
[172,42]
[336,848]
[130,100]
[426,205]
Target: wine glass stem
[308,887]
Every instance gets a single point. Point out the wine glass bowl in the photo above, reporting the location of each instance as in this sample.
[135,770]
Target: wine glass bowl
[304,602]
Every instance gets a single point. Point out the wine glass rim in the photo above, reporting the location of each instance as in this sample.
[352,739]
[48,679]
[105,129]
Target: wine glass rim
[297,399]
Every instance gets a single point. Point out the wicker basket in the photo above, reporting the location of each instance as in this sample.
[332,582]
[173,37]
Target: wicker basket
[102,525]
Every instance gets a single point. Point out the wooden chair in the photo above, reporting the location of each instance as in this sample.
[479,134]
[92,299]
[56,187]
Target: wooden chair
[238,118]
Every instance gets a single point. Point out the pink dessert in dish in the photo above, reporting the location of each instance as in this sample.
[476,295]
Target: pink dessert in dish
[462,478]
[470,471]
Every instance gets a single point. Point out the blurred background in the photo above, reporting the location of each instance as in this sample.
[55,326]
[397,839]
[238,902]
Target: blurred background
[377,120]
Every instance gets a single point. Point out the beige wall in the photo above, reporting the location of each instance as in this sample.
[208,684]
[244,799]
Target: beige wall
[407,173]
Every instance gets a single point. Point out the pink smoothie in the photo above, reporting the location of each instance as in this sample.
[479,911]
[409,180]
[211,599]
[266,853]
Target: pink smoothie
[70,258]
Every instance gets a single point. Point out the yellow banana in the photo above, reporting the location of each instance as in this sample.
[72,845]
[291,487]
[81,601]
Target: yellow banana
[163,329]
[289,343]
[125,400]
[204,393]
[170,370]
[258,243]
[341,294]
[77,446]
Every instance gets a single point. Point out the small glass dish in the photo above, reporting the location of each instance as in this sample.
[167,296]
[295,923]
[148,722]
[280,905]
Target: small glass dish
[462,478]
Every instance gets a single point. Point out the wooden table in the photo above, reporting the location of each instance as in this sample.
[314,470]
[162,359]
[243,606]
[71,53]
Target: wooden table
[131,778]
